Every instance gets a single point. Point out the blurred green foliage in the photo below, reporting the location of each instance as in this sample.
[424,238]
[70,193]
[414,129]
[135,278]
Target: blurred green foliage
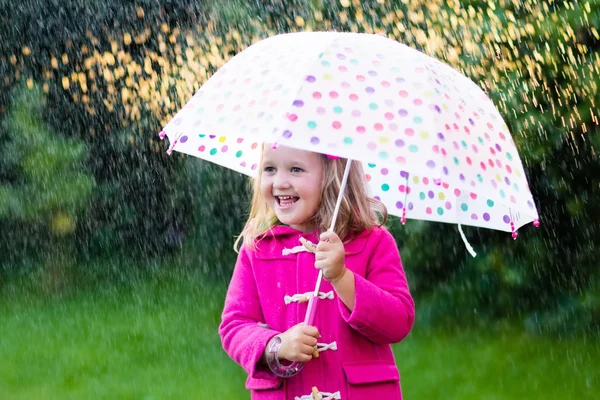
[45,188]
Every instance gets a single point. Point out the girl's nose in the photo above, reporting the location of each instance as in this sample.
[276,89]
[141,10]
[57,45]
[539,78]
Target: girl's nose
[281,181]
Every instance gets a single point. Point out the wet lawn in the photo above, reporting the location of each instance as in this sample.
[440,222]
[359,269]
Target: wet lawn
[157,339]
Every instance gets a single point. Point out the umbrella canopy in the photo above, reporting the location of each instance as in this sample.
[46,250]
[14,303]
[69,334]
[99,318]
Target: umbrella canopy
[433,145]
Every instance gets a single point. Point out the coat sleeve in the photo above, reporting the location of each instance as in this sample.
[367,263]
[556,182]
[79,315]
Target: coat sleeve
[384,310]
[243,339]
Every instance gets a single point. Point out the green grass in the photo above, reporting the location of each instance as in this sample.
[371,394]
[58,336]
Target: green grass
[158,340]
[498,364]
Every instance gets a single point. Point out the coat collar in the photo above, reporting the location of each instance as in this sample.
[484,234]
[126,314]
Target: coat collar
[284,230]
[354,246]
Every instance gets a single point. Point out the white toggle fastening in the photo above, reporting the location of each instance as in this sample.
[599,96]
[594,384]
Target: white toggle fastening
[322,396]
[306,296]
[293,250]
[307,245]
[324,346]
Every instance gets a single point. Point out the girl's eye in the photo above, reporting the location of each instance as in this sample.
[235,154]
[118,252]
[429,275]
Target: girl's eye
[296,169]
[269,169]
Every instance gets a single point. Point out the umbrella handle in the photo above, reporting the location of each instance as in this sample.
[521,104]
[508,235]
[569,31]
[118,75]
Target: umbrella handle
[282,371]
[287,371]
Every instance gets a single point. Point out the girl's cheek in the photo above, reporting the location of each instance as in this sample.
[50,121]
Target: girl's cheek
[265,186]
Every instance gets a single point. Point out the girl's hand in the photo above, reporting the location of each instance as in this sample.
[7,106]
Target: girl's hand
[298,343]
[330,257]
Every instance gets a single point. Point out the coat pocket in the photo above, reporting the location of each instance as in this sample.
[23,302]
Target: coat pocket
[372,380]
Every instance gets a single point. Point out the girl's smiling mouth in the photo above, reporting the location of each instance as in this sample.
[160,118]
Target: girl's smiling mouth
[286,201]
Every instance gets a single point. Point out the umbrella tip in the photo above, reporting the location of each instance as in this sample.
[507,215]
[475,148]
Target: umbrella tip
[536,223]
[515,235]
[162,135]
[171,147]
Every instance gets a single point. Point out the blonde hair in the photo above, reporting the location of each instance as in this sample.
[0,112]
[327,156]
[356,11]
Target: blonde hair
[358,211]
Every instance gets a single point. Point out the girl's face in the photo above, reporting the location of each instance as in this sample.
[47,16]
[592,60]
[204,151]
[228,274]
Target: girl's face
[291,185]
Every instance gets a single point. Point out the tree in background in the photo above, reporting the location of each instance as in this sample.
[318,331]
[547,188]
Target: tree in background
[138,208]
[45,189]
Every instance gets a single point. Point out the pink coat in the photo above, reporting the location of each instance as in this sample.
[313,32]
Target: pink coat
[363,366]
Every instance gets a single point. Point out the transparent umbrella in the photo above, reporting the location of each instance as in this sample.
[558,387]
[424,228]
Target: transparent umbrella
[433,145]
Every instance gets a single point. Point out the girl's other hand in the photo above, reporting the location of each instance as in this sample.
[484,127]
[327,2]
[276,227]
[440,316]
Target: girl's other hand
[330,257]
[298,343]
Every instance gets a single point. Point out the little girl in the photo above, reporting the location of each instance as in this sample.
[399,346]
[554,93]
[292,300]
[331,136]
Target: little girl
[364,305]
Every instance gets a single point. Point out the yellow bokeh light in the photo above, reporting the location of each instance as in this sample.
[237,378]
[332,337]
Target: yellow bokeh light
[516,56]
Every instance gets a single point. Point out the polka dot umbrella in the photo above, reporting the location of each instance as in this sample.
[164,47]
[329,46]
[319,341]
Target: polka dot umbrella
[433,145]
